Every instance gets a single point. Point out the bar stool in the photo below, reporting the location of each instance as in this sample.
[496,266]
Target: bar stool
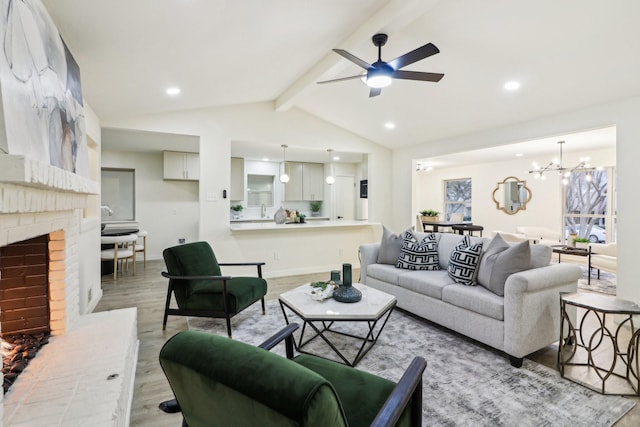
[141,245]
[124,248]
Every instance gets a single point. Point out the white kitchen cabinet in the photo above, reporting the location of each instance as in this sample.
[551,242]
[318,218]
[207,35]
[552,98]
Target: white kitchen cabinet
[293,188]
[236,191]
[181,166]
[305,181]
[312,181]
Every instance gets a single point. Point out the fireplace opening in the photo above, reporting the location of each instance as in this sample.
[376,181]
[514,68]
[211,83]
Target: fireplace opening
[24,304]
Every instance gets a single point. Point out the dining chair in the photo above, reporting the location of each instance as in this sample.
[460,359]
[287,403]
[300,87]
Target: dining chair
[141,245]
[124,249]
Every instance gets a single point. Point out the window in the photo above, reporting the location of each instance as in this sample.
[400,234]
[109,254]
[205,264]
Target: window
[588,206]
[260,190]
[457,198]
[118,195]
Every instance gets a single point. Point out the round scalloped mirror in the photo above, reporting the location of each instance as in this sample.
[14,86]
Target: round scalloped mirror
[511,195]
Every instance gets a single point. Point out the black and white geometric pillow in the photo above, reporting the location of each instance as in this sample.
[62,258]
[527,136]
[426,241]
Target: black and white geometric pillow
[422,255]
[464,262]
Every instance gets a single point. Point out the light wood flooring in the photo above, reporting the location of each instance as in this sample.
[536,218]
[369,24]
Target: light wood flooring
[147,291]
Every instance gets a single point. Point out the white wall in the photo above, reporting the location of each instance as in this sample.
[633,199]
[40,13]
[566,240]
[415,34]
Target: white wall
[623,114]
[89,234]
[168,210]
[544,209]
[296,251]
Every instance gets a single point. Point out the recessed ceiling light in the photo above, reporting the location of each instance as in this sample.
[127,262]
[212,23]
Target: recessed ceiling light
[390,125]
[336,157]
[265,159]
[173,91]
[519,154]
[512,85]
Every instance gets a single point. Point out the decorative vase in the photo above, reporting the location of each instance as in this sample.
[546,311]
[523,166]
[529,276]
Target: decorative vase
[280,216]
[335,276]
[346,292]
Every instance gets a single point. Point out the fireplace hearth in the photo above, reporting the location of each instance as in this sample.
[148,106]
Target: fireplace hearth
[17,352]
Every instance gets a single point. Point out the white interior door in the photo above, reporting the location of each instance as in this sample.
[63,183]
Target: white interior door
[345,192]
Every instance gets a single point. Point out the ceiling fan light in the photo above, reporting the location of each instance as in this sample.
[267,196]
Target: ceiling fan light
[378,81]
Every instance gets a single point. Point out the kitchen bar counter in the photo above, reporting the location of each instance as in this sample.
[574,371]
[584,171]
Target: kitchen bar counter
[244,220]
[314,224]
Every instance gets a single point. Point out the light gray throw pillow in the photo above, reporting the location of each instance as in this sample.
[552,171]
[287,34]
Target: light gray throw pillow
[501,260]
[390,246]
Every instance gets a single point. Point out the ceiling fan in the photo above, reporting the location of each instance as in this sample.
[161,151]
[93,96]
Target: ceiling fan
[380,73]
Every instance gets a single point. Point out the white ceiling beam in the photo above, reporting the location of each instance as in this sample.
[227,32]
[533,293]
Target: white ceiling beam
[392,17]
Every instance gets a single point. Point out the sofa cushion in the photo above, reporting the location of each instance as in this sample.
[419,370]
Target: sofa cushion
[500,260]
[446,245]
[418,255]
[475,298]
[540,255]
[463,264]
[390,246]
[429,284]
[385,272]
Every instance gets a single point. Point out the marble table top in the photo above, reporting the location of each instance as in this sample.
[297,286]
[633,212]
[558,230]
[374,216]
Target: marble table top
[373,305]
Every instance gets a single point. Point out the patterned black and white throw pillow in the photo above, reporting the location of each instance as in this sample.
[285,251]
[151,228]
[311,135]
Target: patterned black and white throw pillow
[464,262]
[418,255]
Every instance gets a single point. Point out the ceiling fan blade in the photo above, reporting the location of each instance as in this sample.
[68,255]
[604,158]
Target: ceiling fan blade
[353,59]
[414,56]
[375,91]
[341,79]
[417,75]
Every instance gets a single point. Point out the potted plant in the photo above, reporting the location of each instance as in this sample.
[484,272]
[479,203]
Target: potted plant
[581,242]
[301,218]
[236,209]
[316,206]
[429,215]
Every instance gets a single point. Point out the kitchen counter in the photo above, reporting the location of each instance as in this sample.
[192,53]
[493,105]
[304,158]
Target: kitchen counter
[245,220]
[312,224]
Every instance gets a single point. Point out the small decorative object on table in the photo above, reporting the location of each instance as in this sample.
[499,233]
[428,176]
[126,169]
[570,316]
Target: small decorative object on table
[346,292]
[335,277]
[322,290]
[429,215]
[581,242]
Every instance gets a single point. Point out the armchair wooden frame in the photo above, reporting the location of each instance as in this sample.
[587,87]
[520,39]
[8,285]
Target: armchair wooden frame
[408,390]
[225,314]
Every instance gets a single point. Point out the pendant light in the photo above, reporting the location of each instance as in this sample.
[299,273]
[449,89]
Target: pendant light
[330,178]
[556,165]
[284,177]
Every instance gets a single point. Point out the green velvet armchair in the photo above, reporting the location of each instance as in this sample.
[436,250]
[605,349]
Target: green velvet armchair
[201,290]
[222,382]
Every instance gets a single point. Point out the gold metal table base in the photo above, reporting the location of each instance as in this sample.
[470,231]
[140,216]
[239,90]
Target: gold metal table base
[582,346]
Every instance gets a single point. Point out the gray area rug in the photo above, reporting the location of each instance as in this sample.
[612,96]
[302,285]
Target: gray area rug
[605,285]
[465,384]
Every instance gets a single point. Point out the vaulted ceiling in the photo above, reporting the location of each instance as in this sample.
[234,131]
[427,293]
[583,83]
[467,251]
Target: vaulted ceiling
[566,55]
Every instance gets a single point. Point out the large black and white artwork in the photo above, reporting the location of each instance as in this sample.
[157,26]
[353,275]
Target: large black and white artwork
[42,108]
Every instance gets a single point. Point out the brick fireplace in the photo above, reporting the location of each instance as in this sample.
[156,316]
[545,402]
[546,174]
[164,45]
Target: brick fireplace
[32,285]
[90,355]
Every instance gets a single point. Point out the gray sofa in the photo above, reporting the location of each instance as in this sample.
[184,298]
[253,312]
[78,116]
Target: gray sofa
[524,320]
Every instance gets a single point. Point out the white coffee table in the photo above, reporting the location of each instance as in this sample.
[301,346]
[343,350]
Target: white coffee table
[374,309]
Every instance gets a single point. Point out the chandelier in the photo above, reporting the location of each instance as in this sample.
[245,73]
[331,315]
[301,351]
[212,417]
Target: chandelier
[556,165]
